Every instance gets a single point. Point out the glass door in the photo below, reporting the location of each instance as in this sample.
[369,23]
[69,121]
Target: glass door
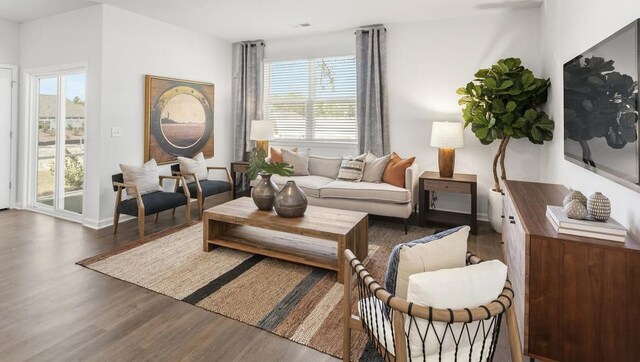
[60,130]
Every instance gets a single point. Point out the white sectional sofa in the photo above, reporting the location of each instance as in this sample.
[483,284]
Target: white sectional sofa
[322,189]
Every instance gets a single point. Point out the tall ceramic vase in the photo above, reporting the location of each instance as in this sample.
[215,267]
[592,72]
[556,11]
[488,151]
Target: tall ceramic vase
[264,193]
[494,210]
[290,201]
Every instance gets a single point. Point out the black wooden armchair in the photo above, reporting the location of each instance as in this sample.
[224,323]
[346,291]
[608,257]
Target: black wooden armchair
[201,189]
[148,204]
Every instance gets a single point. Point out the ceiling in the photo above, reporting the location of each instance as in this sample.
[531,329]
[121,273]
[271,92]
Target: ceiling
[235,20]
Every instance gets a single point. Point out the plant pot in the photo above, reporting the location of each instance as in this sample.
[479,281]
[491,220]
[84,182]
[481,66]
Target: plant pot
[290,201]
[494,210]
[264,193]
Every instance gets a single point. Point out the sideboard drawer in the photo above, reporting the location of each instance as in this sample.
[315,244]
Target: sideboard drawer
[447,186]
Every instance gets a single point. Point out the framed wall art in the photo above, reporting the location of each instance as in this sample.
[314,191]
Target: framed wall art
[178,119]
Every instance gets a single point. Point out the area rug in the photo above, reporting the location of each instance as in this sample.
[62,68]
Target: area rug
[297,302]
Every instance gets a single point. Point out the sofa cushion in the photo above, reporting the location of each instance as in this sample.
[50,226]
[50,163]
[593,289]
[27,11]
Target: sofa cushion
[153,203]
[351,168]
[310,185]
[394,173]
[196,165]
[145,177]
[380,192]
[325,166]
[275,154]
[374,167]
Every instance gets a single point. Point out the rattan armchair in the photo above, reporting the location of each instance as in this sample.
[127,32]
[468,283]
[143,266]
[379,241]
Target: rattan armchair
[394,325]
[201,189]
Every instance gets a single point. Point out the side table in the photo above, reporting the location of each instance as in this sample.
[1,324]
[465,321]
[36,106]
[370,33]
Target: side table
[460,183]
[239,167]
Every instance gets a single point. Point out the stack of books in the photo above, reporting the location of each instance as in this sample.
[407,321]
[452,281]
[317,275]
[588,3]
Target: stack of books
[606,230]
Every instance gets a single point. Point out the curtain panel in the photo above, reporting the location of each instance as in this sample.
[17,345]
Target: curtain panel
[248,80]
[371,74]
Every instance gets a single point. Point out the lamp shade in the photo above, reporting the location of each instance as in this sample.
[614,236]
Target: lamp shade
[447,135]
[261,131]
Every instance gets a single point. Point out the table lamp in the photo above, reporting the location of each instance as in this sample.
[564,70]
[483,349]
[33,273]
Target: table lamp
[262,133]
[447,136]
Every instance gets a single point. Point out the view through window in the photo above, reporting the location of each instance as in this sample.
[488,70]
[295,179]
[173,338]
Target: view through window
[312,99]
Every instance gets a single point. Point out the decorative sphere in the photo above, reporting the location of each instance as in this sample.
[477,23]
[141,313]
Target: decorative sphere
[575,195]
[599,207]
[575,210]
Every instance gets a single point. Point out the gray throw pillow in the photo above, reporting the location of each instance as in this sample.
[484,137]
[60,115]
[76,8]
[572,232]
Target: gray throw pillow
[374,167]
[298,161]
[145,177]
[351,168]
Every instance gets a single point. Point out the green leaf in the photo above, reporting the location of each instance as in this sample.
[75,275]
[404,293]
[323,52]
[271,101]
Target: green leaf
[511,106]
[506,84]
[490,83]
[461,91]
[482,133]
[482,73]
[508,130]
[535,134]
[528,79]
[531,114]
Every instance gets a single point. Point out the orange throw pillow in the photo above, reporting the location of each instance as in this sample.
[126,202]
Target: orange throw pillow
[276,154]
[394,173]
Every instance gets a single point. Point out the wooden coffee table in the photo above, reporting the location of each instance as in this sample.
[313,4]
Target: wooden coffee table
[319,238]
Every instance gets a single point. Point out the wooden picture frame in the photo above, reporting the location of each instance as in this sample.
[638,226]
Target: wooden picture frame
[179,118]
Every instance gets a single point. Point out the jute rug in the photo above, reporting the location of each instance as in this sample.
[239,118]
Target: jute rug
[297,302]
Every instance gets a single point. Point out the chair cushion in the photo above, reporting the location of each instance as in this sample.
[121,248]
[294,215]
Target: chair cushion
[447,249]
[325,166]
[145,177]
[310,185]
[457,288]
[196,165]
[209,187]
[153,203]
[379,192]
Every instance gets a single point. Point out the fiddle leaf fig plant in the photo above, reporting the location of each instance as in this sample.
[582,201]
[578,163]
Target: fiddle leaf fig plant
[258,164]
[503,102]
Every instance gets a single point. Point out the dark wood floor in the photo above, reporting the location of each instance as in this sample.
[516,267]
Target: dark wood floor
[52,309]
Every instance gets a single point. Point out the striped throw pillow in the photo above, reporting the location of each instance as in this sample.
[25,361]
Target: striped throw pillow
[351,168]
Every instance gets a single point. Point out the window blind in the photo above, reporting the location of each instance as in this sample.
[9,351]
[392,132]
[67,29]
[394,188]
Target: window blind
[313,99]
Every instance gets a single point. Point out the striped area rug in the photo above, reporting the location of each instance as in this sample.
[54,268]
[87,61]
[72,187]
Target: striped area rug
[301,303]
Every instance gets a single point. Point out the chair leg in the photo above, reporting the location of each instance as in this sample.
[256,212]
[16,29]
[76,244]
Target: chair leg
[200,207]
[157,214]
[188,212]
[405,226]
[116,219]
[173,213]
[141,227]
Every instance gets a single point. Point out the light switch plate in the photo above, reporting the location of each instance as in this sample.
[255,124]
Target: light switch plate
[116,132]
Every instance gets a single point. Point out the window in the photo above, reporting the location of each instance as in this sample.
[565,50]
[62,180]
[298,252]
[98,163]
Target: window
[312,99]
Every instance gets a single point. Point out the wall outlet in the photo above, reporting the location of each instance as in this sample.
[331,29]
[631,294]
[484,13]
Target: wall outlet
[116,132]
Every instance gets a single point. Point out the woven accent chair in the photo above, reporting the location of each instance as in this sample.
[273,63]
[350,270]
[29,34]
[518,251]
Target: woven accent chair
[201,189]
[147,204]
[395,326]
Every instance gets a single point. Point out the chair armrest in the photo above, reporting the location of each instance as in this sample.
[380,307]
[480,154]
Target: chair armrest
[131,185]
[226,170]
[411,177]
[178,180]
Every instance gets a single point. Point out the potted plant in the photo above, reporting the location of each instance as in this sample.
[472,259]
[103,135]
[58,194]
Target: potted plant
[264,193]
[505,102]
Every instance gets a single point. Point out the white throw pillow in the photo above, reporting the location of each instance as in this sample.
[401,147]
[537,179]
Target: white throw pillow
[374,167]
[299,162]
[458,288]
[145,177]
[196,165]
[447,249]
[351,168]
[325,166]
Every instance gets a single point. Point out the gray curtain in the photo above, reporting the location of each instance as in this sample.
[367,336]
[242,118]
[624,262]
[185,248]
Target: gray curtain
[371,72]
[248,78]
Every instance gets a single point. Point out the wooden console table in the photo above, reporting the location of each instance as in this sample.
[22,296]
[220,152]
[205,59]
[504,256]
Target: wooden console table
[576,298]
[460,183]
[319,238]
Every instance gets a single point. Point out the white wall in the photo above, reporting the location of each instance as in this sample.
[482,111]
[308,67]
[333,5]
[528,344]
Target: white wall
[569,27]
[427,62]
[134,45]
[72,38]
[9,42]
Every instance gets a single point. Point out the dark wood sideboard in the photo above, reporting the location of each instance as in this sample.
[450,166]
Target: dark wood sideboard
[576,298]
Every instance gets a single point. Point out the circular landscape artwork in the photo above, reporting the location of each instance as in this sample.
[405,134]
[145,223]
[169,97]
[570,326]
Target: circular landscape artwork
[179,119]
